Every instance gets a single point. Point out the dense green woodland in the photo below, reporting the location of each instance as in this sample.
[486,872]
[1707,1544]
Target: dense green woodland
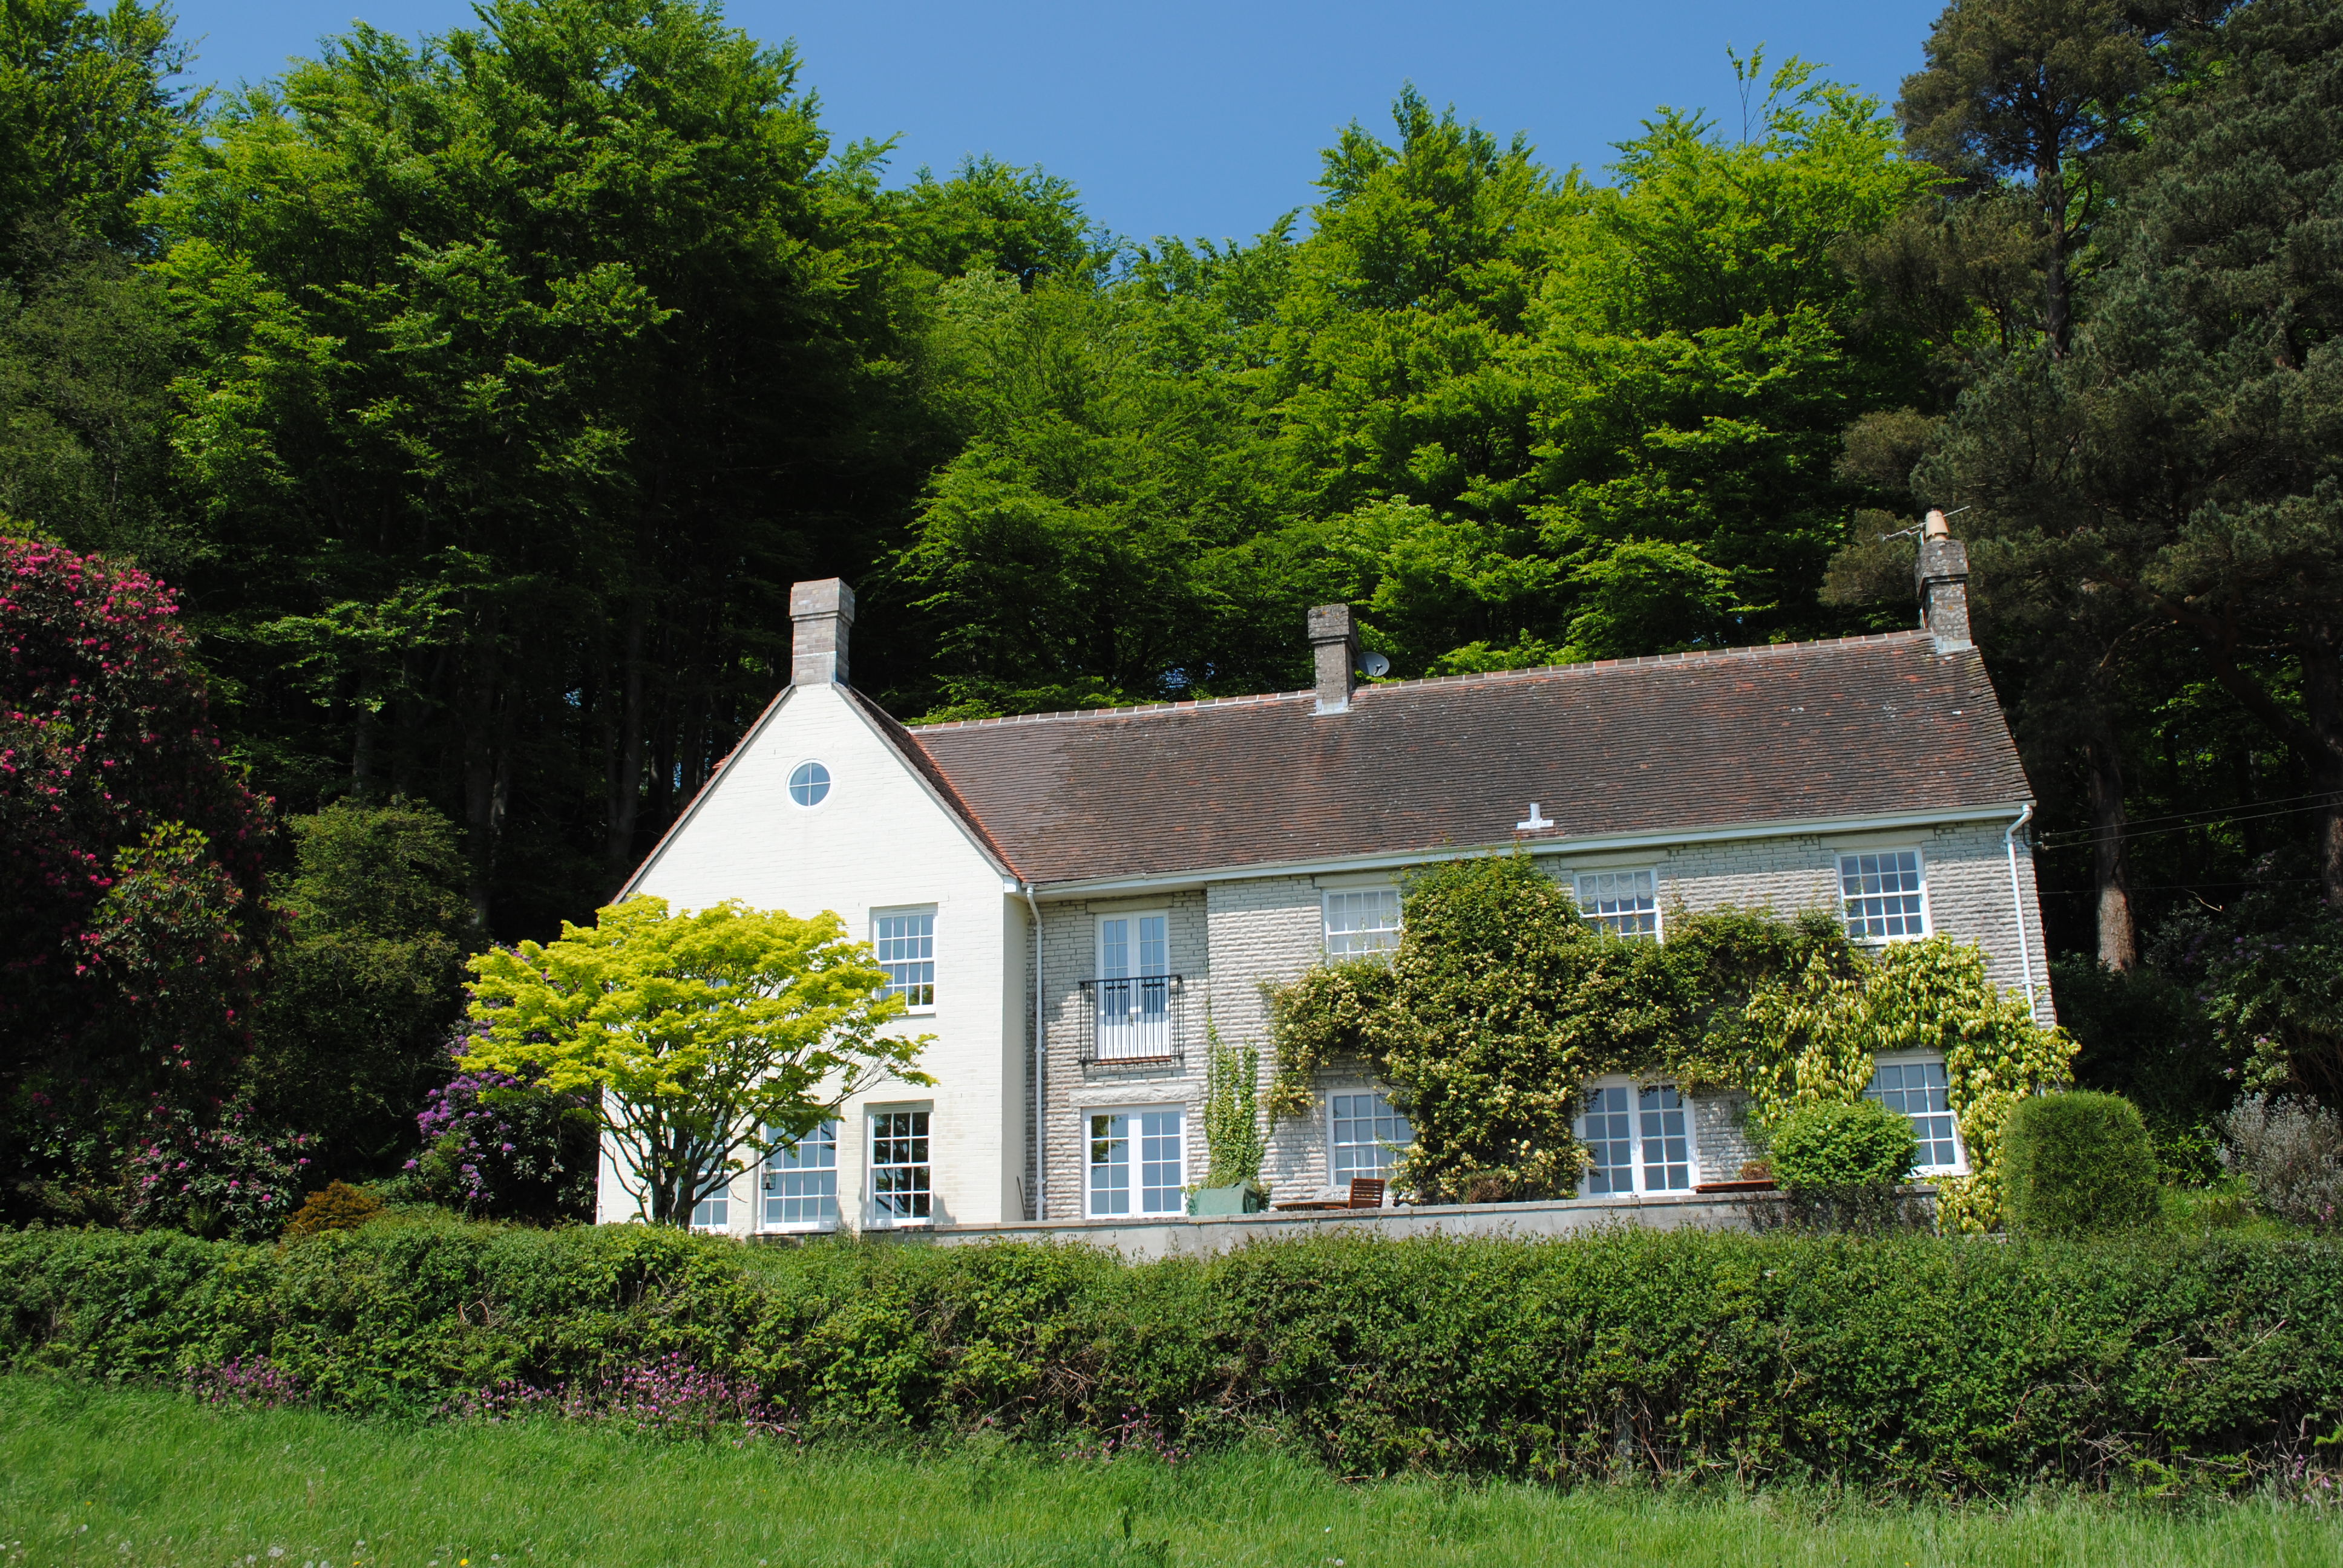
[479,397]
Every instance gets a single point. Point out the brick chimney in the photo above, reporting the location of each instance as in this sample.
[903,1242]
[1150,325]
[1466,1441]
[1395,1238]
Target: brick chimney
[1942,575]
[1334,644]
[821,613]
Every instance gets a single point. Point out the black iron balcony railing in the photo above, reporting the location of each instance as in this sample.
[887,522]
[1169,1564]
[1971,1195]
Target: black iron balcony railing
[1133,1018]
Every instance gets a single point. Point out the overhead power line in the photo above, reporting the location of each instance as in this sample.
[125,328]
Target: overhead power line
[2075,838]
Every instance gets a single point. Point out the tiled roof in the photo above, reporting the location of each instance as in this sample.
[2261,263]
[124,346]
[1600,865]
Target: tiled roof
[1852,729]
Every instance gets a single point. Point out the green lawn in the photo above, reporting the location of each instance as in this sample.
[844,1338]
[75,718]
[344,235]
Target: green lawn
[127,1478]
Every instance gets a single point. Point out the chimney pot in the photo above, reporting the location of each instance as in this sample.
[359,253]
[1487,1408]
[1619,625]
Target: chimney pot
[1335,646]
[821,616]
[1942,576]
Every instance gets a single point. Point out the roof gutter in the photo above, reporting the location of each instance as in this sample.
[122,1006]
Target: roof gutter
[2017,908]
[1785,829]
[1041,1065]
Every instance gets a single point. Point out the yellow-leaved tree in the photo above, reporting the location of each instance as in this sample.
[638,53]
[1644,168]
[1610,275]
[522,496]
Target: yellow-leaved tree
[707,1039]
[1819,1030]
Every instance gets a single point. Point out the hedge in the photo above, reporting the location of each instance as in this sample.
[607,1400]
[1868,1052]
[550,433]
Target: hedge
[1907,1363]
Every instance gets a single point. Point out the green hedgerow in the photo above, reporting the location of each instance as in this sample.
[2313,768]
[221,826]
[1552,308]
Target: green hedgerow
[2077,1163]
[1906,1361]
[1841,1145]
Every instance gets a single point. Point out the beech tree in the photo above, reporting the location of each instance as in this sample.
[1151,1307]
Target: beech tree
[706,1040]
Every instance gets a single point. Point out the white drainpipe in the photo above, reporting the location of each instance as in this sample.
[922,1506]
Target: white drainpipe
[2017,908]
[1041,1065]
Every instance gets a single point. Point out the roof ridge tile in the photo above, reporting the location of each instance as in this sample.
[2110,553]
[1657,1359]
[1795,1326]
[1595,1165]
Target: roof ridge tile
[1687,655]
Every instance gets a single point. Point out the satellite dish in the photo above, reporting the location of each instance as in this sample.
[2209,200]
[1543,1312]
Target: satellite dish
[1376,665]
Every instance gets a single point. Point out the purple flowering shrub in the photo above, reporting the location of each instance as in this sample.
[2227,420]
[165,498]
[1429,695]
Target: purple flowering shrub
[226,1175]
[670,1397]
[495,1147]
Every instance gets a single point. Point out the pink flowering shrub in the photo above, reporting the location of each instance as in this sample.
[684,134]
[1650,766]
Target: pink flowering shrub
[670,1397]
[132,922]
[221,1175]
[242,1380]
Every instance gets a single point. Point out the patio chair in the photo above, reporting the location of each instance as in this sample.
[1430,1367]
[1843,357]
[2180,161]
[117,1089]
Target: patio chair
[1366,1192]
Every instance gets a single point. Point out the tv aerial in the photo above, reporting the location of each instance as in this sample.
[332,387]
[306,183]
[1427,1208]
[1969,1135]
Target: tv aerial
[1376,666]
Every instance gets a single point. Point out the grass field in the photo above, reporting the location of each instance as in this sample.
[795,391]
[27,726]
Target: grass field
[92,1476]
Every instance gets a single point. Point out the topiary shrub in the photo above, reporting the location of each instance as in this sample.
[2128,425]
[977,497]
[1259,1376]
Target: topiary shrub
[1840,1163]
[2077,1163]
[337,1206]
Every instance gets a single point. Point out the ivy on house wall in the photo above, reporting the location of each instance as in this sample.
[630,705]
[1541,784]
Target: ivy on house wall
[1501,1005]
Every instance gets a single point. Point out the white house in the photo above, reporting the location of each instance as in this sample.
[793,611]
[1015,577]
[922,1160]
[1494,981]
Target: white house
[1067,899]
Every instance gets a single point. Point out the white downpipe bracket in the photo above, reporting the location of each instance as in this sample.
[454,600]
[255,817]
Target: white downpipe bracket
[1040,1066]
[2017,908]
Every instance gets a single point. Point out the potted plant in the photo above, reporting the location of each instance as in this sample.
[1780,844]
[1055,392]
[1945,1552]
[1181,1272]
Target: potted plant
[1231,1131]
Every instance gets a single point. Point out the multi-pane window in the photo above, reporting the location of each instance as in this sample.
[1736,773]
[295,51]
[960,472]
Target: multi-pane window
[1918,1089]
[1882,895]
[1134,988]
[906,951]
[1138,1163]
[713,1212]
[900,1180]
[1640,1139]
[1368,1136]
[1362,921]
[1625,901]
[801,1179]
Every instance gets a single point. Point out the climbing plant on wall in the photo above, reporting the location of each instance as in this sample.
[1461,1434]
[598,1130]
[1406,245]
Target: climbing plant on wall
[1502,1004]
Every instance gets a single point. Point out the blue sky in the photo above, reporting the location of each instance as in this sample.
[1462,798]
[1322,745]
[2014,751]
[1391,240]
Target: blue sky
[1206,118]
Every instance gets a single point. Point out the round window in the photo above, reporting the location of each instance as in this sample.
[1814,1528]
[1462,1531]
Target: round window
[809,784]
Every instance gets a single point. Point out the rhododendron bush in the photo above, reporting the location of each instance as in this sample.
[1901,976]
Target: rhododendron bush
[131,915]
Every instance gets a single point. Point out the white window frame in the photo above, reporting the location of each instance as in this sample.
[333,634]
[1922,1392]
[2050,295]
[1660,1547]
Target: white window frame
[1123,1028]
[1336,1177]
[1579,879]
[1134,1162]
[1920,866]
[1638,1163]
[718,1208]
[773,1176]
[883,1215]
[1327,935]
[902,912]
[1960,1165]
[829,784]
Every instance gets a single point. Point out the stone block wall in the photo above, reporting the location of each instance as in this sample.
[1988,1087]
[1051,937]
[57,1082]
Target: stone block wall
[1234,939]
[1071,1089]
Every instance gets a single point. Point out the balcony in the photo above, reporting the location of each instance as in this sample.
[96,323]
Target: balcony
[1135,1018]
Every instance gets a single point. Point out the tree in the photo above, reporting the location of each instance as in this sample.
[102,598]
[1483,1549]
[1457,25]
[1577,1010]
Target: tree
[707,1039]
[132,921]
[1517,417]
[2185,458]
[533,363]
[365,984]
[88,117]
[2042,92]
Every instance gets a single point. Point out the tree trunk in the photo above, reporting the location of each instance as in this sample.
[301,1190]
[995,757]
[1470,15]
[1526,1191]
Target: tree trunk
[486,779]
[626,784]
[2057,309]
[2111,868]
